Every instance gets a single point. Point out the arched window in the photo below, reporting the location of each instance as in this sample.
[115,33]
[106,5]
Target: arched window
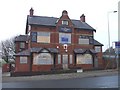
[43,58]
[84,59]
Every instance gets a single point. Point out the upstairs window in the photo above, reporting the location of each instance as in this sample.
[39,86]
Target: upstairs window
[34,36]
[83,39]
[22,45]
[64,22]
[64,38]
[43,37]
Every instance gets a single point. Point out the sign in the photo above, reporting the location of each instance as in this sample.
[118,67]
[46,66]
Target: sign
[64,39]
[65,29]
[117,44]
[117,47]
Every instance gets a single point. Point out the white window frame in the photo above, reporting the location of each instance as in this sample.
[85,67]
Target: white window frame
[23,60]
[64,22]
[59,59]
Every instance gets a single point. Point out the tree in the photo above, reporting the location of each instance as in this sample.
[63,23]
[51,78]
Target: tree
[8,49]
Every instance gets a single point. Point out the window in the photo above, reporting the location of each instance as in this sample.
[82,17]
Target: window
[84,39]
[64,38]
[43,37]
[23,60]
[64,22]
[34,36]
[84,59]
[43,59]
[22,45]
[70,59]
[97,48]
[59,59]
[91,39]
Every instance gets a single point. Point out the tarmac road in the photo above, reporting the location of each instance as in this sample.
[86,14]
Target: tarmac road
[86,82]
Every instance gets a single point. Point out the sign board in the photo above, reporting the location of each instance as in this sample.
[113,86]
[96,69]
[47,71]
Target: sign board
[117,47]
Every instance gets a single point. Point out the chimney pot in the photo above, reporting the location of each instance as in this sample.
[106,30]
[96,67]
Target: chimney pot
[64,12]
[82,18]
[31,12]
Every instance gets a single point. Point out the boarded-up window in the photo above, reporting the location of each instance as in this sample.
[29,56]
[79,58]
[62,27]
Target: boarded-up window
[22,45]
[43,37]
[64,38]
[34,36]
[43,59]
[23,60]
[97,48]
[70,59]
[83,41]
[59,59]
[84,59]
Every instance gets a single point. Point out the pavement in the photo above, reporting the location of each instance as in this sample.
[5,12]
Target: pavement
[6,76]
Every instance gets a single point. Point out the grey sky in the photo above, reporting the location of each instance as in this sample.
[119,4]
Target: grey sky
[13,15]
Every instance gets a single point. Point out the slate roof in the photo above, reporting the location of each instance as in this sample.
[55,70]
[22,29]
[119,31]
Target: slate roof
[51,21]
[22,38]
[92,51]
[79,50]
[37,50]
[96,43]
[82,51]
[23,53]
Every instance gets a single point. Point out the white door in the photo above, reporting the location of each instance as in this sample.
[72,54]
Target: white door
[65,61]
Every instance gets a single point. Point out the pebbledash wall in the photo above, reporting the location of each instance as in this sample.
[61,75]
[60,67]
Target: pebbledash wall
[52,43]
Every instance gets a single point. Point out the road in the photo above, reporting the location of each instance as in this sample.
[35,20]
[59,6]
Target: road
[89,82]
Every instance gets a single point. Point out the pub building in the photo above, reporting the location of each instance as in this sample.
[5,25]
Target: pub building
[52,43]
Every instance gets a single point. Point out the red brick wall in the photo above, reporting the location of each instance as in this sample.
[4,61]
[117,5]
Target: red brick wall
[22,67]
[85,66]
[5,67]
[100,59]
[42,67]
[17,47]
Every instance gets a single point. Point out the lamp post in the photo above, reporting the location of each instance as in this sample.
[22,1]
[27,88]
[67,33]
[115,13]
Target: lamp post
[108,28]
[109,32]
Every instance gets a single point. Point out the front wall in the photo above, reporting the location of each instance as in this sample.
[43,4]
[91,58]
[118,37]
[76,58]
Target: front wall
[42,67]
[22,67]
[100,60]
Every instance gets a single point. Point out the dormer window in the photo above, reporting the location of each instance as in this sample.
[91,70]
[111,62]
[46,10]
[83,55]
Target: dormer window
[64,22]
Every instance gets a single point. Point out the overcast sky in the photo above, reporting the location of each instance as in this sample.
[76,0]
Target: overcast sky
[13,15]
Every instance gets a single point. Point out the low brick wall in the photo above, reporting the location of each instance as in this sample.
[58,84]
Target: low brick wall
[15,74]
[5,67]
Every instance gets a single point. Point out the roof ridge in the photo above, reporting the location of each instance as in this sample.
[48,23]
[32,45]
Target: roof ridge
[44,16]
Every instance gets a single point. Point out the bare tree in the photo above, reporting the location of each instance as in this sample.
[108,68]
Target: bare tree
[8,49]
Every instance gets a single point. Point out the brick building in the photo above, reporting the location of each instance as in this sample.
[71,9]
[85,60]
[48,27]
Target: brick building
[52,43]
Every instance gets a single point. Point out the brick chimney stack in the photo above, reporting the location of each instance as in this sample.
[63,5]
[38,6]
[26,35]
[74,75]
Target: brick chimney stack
[64,12]
[31,12]
[82,18]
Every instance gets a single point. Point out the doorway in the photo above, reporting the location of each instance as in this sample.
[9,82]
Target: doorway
[65,61]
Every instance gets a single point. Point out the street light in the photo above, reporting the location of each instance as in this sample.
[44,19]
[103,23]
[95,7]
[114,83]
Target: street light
[109,30]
